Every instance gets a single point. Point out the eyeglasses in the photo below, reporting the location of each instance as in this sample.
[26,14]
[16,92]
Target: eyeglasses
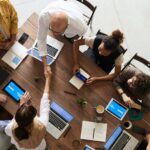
[56,32]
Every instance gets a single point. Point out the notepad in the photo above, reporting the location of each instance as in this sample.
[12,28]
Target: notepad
[76,82]
[93,131]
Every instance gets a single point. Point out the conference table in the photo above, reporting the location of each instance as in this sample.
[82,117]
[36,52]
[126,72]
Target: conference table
[62,70]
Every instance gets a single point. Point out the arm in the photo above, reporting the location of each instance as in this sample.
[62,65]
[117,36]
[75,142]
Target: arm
[44,105]
[87,41]
[148,141]
[76,46]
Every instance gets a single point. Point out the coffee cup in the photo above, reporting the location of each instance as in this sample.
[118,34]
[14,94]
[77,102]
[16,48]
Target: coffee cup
[100,109]
[127,125]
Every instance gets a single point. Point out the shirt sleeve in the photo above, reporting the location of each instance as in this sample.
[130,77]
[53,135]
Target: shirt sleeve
[44,109]
[8,129]
[42,34]
[13,19]
[89,41]
[119,60]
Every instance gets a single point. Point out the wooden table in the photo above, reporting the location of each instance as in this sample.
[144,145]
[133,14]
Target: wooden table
[97,93]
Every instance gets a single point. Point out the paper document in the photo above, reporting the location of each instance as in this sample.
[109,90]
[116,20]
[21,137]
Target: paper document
[15,55]
[76,82]
[93,131]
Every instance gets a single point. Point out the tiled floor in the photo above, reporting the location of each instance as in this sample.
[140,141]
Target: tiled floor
[131,16]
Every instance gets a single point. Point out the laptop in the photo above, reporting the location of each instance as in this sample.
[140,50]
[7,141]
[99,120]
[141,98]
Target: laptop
[15,55]
[121,140]
[59,120]
[54,47]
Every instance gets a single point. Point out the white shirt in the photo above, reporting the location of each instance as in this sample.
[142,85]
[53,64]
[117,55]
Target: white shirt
[76,22]
[44,115]
[89,41]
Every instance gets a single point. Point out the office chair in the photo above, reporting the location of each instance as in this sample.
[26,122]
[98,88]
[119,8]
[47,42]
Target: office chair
[92,9]
[139,59]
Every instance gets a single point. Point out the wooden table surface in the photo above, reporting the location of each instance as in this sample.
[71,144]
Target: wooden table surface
[97,93]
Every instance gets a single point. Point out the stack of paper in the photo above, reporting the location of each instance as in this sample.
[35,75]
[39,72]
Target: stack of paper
[93,131]
[76,82]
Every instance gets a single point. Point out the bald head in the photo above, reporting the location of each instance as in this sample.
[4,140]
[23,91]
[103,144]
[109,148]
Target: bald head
[59,22]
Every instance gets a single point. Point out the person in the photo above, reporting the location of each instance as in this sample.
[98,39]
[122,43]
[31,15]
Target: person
[137,85]
[104,51]
[27,130]
[3,98]
[8,25]
[59,18]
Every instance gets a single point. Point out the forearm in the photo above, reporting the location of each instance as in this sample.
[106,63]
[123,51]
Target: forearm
[44,61]
[109,77]
[76,45]
[47,85]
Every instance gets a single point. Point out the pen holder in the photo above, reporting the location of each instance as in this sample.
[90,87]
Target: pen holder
[82,102]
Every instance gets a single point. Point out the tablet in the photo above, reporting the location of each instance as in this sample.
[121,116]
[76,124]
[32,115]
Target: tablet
[116,109]
[13,90]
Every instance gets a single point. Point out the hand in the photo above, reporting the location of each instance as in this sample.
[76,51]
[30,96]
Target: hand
[3,98]
[47,71]
[76,68]
[91,80]
[127,100]
[6,45]
[148,146]
[25,98]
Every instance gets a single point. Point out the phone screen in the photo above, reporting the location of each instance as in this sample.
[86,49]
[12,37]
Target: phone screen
[81,77]
[23,38]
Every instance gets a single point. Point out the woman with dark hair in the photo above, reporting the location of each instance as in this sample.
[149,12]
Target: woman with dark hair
[137,85]
[27,130]
[106,53]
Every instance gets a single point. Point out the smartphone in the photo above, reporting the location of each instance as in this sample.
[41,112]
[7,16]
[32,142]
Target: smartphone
[23,38]
[87,147]
[138,130]
[81,77]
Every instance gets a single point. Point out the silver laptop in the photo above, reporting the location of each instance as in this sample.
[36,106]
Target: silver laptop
[59,120]
[54,46]
[121,140]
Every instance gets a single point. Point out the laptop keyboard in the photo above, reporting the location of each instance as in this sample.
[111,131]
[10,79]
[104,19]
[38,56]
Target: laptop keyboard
[121,142]
[58,123]
[51,50]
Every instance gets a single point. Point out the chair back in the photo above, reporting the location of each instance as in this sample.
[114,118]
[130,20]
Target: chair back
[140,59]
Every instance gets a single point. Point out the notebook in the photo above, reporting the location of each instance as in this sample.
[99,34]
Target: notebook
[15,55]
[93,131]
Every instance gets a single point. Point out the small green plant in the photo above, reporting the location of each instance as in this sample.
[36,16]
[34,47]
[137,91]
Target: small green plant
[82,102]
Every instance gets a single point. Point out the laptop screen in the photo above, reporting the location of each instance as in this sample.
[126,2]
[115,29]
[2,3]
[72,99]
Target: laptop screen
[61,112]
[113,138]
[14,90]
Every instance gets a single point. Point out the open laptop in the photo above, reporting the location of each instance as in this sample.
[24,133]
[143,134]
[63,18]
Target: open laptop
[15,55]
[53,46]
[121,140]
[59,120]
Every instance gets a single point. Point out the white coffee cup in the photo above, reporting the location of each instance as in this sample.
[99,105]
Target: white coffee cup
[100,109]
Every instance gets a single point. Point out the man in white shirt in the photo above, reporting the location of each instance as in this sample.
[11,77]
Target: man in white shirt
[60,17]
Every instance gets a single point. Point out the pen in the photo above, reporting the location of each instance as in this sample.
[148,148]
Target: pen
[93,132]
[67,92]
